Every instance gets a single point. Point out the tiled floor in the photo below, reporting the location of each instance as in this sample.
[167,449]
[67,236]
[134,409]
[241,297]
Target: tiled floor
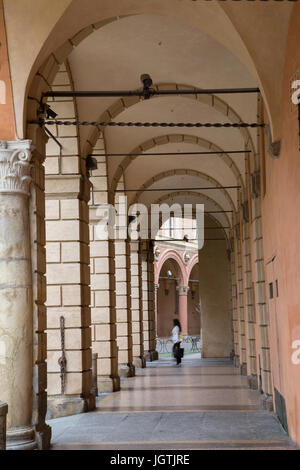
[202,404]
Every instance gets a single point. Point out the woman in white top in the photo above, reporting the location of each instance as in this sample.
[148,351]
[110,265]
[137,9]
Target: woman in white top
[176,340]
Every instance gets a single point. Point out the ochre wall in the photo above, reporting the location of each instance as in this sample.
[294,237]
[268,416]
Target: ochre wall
[281,229]
[214,296]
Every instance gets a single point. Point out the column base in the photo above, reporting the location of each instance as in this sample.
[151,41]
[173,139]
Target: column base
[108,384]
[151,356]
[126,370]
[243,369]
[62,405]
[267,402]
[21,439]
[236,361]
[252,381]
[139,362]
[43,437]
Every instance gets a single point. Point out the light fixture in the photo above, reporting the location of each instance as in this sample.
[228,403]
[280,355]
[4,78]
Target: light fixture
[147,83]
[45,112]
[91,163]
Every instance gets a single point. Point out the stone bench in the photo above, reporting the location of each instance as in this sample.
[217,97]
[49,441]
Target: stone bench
[3,413]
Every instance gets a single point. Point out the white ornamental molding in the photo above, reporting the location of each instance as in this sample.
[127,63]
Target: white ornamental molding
[15,167]
[157,253]
[186,258]
[183,290]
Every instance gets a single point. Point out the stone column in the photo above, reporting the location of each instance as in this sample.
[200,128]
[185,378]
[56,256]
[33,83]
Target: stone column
[235,318]
[103,286]
[183,307]
[68,295]
[16,296]
[123,308]
[261,306]
[145,303]
[152,353]
[137,305]
[3,413]
[240,286]
[104,308]
[249,311]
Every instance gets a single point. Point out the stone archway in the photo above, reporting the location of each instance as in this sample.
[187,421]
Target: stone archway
[170,275]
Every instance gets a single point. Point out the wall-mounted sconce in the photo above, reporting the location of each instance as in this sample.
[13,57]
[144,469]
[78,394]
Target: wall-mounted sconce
[91,163]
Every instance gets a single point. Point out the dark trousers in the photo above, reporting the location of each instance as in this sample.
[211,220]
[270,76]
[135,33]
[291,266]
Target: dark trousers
[176,352]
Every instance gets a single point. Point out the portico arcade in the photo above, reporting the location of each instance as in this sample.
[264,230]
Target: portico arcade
[66,293]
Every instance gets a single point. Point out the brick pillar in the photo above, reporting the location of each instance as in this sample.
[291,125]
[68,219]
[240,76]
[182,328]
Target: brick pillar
[68,294]
[137,305]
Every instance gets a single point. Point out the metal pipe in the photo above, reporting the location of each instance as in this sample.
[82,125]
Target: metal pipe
[141,93]
[166,153]
[60,147]
[53,137]
[218,212]
[174,189]
[193,240]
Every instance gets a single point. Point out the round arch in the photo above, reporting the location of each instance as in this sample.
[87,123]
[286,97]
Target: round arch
[212,101]
[173,255]
[72,26]
[166,139]
[193,262]
[194,194]
[188,172]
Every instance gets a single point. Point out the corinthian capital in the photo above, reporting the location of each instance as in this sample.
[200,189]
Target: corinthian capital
[183,290]
[15,159]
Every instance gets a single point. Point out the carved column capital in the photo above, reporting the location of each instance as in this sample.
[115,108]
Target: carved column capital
[15,167]
[183,290]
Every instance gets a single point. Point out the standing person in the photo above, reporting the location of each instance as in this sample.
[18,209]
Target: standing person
[176,338]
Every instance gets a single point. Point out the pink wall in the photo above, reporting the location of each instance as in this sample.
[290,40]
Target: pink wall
[281,230]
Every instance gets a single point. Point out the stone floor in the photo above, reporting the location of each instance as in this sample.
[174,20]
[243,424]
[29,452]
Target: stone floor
[202,404]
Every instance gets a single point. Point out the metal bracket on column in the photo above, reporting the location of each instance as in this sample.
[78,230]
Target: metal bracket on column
[245,211]
[274,148]
[255,184]
[62,361]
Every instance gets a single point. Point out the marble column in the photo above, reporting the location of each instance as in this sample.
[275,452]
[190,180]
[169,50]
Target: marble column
[16,297]
[183,308]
